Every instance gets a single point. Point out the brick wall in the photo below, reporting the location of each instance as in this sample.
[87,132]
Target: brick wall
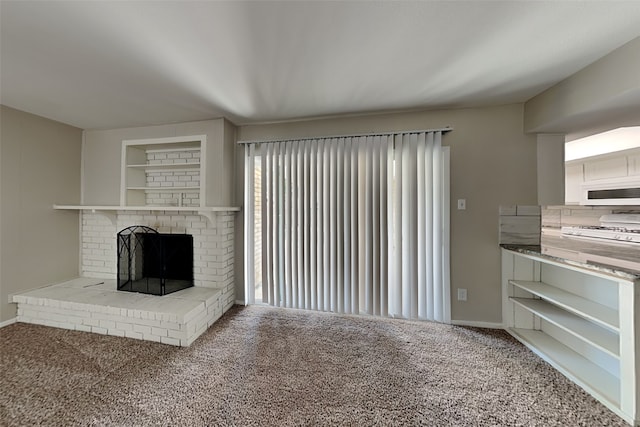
[213,250]
[166,180]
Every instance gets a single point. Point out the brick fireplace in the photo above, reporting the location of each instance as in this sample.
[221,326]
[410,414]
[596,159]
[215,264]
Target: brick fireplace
[212,244]
[177,183]
[92,302]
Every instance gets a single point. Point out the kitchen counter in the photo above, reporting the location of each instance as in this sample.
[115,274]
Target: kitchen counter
[618,260]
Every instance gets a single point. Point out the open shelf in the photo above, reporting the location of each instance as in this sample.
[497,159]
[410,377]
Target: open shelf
[582,307]
[583,372]
[165,189]
[597,336]
[581,321]
[175,167]
[151,167]
[184,146]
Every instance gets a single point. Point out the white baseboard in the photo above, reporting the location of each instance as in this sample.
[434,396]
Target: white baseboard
[8,322]
[487,325]
[240,302]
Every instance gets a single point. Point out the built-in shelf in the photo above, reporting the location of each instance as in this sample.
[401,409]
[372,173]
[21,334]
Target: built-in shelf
[582,307]
[162,171]
[166,189]
[599,337]
[580,320]
[169,145]
[585,373]
[176,167]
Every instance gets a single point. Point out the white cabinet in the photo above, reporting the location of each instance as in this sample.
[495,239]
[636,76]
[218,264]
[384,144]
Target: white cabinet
[574,177]
[604,172]
[634,164]
[164,172]
[605,168]
[582,321]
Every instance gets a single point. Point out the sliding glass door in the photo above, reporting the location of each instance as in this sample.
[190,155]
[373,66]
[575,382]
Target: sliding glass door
[353,224]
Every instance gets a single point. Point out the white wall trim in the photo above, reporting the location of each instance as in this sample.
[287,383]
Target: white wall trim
[240,302]
[487,325]
[8,322]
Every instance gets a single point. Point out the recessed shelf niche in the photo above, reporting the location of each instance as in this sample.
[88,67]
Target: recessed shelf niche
[164,172]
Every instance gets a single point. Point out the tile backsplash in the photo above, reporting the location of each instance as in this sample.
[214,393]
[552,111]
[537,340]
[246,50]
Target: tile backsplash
[523,225]
[562,216]
[520,225]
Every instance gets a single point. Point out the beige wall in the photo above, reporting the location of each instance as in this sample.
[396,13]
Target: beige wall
[493,163]
[550,169]
[40,166]
[101,158]
[602,96]
[599,97]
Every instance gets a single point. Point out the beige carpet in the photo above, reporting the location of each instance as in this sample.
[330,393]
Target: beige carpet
[266,366]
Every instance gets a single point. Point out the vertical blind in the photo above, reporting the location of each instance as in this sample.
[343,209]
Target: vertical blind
[350,224]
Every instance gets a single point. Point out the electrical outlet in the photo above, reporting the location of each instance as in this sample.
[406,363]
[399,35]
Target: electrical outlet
[462,204]
[462,294]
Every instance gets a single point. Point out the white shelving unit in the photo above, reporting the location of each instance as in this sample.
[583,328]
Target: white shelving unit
[577,326]
[566,301]
[171,160]
[582,321]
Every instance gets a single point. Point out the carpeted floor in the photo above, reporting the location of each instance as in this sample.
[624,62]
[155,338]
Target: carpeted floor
[266,366]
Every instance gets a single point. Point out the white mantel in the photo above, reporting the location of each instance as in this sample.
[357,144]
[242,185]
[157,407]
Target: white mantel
[110,210]
[149,208]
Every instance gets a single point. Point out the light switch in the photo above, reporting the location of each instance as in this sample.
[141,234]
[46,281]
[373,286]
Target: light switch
[462,204]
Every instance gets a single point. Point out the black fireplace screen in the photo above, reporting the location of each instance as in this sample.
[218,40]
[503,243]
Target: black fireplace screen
[154,263]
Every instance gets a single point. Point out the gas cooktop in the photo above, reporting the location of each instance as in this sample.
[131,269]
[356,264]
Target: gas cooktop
[601,233]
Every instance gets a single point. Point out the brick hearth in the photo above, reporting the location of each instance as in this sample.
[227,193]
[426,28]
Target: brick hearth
[92,303]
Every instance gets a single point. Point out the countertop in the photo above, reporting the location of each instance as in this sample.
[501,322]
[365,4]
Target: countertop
[619,260]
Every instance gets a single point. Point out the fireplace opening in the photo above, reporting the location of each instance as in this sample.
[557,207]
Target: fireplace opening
[154,263]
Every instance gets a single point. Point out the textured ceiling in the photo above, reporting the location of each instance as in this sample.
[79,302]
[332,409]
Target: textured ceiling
[116,64]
